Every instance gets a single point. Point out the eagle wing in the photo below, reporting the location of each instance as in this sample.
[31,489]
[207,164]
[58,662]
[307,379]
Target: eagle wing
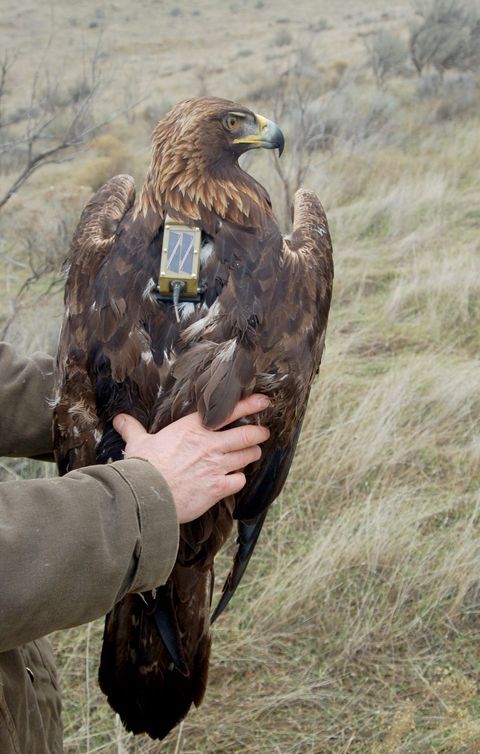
[114,335]
[76,424]
[309,251]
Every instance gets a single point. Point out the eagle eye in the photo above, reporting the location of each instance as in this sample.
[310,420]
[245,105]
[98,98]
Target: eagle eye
[232,121]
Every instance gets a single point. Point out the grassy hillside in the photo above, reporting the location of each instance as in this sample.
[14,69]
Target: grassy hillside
[356,628]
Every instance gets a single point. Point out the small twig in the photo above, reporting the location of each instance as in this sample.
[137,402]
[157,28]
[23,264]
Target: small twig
[15,262]
[119,734]
[179,741]
[431,690]
[87,685]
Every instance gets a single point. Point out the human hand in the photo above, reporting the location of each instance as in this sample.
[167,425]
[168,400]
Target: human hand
[201,466]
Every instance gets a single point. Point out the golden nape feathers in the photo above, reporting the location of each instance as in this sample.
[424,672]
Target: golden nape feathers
[257,323]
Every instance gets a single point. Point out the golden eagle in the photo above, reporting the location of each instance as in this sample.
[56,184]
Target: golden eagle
[137,338]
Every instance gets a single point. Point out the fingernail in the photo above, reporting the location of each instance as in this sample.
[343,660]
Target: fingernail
[262,401]
[118,422]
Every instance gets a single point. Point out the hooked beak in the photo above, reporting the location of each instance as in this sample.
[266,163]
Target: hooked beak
[268,136]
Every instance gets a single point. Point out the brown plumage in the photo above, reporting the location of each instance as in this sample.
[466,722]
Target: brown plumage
[260,325]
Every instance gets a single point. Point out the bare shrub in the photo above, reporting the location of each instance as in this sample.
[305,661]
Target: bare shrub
[459,95]
[112,157]
[358,119]
[42,239]
[448,36]
[387,55]
[450,95]
[52,123]
[282,38]
[428,86]
[319,113]
[244,52]
[321,25]
[154,112]
[460,91]
[79,90]
[46,123]
[293,98]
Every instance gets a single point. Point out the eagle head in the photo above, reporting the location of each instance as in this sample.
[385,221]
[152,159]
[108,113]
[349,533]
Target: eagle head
[195,154]
[213,128]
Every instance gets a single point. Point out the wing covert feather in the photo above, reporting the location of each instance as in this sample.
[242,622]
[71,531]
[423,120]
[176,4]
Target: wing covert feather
[75,418]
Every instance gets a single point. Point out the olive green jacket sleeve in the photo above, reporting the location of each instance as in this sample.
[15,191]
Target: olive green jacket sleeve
[26,387]
[71,547]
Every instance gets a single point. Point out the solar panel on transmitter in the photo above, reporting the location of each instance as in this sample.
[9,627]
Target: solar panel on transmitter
[180,259]
[180,251]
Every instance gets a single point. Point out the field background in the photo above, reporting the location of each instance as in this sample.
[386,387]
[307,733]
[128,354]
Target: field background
[356,629]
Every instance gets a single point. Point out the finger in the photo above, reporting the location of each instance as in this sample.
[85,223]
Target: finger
[234,483]
[247,406]
[239,438]
[240,459]
[128,427]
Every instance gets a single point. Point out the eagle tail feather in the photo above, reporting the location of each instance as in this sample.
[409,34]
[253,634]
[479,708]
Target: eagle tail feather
[152,669]
[168,629]
[248,534]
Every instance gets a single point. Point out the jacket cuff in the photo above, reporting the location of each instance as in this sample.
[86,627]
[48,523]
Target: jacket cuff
[158,522]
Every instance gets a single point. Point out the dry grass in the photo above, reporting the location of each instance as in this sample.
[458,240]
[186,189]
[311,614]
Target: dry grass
[356,629]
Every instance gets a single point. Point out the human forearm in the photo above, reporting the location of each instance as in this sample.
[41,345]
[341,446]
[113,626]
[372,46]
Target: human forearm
[26,384]
[71,547]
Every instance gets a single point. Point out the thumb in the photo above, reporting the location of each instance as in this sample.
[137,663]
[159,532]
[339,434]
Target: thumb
[128,427]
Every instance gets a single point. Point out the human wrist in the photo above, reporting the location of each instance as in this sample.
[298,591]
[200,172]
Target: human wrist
[158,521]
